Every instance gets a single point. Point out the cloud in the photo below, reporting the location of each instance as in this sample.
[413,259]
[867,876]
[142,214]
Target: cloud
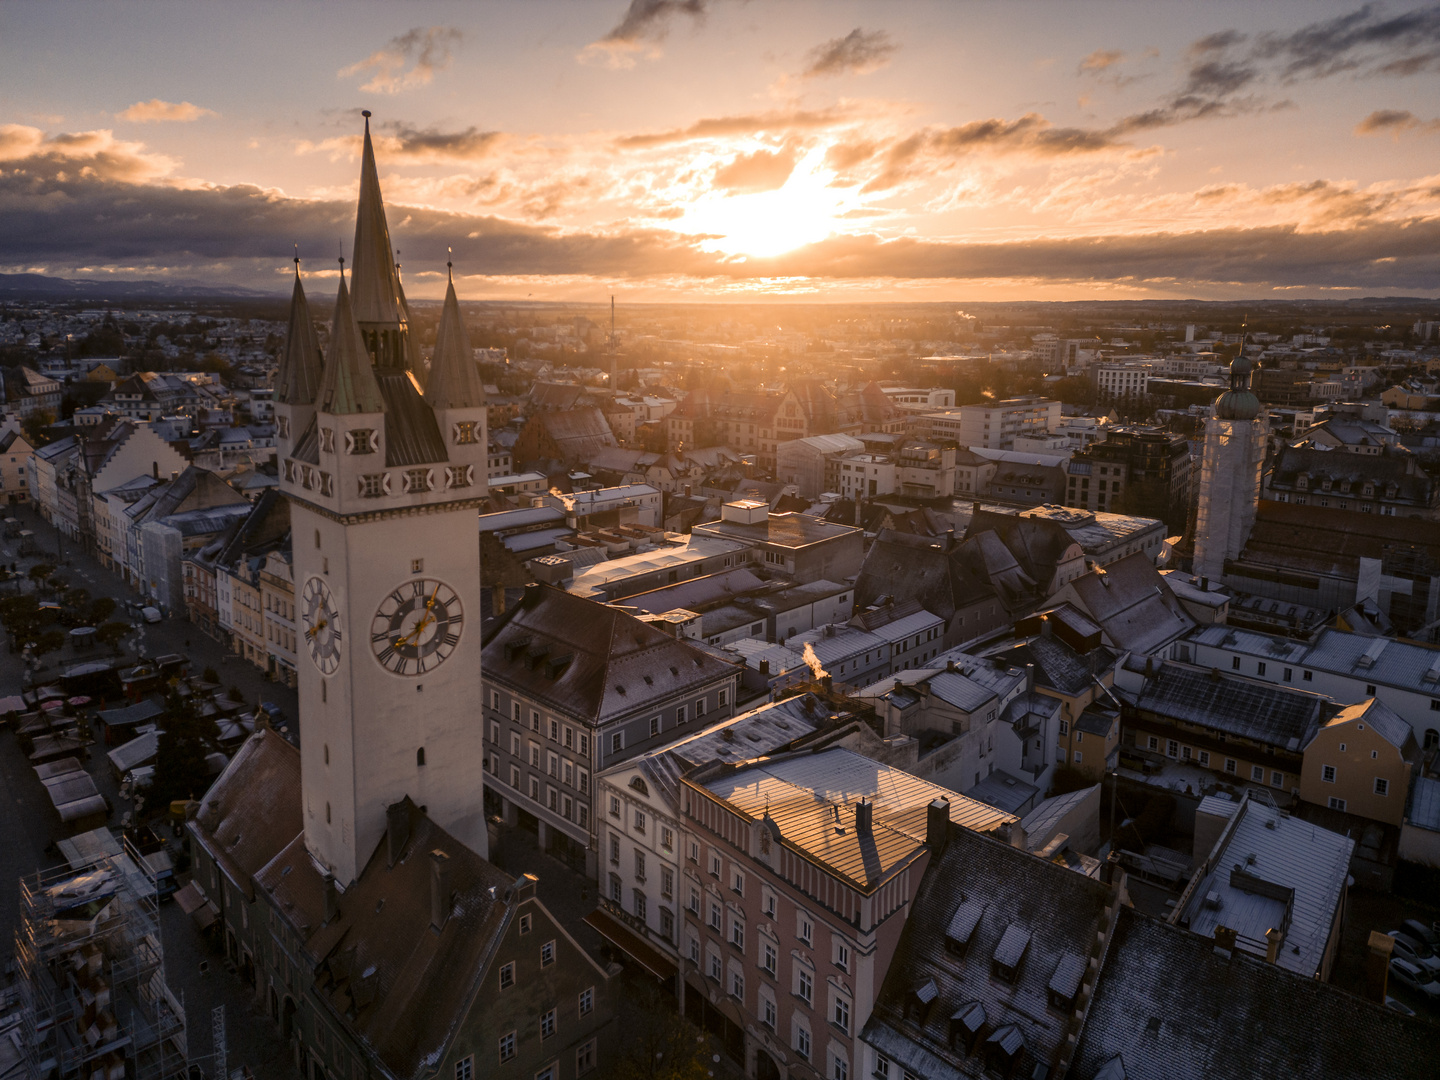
[857,53]
[644,21]
[1364,39]
[407,61]
[1394,122]
[155,111]
[29,155]
[720,127]
[1100,60]
[431,144]
[749,174]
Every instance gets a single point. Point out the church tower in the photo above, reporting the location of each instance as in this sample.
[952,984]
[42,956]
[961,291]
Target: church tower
[1230,473]
[384,488]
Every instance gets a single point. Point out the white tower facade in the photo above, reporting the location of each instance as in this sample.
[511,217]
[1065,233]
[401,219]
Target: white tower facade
[384,489]
[1231,465]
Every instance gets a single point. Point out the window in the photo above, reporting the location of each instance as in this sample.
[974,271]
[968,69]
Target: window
[680,715]
[640,821]
[802,1043]
[699,708]
[723,698]
[525,923]
[739,884]
[372,485]
[585,1058]
[614,849]
[1064,727]
[694,852]
[1234,663]
[360,441]
[1382,786]
[1287,674]
[617,742]
[805,929]
[769,903]
[737,933]
[841,1015]
[417,480]
[1172,748]
[714,865]
[667,882]
[507,976]
[1257,773]
[639,864]
[714,915]
[667,838]
[767,1013]
[1230,765]
[1153,743]
[507,1046]
[1277,779]
[714,967]
[617,891]
[1336,804]
[547,954]
[737,985]
[654,725]
[614,806]
[1260,668]
[842,957]
[1205,758]
[1079,757]
[693,904]
[805,986]
[642,907]
[465,1068]
[547,1024]
[769,959]
[1370,690]
[1327,773]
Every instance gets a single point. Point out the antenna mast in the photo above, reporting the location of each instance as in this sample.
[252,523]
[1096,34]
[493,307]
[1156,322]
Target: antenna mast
[614,363]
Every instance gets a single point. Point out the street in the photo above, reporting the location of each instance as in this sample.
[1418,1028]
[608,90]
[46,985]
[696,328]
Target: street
[194,968]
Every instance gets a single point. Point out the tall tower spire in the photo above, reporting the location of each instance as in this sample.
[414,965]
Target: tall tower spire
[378,302]
[298,380]
[1231,464]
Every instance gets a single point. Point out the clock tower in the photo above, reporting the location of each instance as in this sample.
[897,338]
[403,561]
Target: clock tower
[384,479]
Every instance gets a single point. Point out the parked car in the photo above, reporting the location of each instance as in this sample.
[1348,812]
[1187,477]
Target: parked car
[1416,952]
[1420,931]
[1417,979]
[1396,1005]
[152,614]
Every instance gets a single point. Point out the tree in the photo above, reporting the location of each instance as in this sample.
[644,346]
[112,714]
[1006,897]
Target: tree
[236,694]
[48,642]
[101,609]
[34,427]
[210,675]
[659,1044]
[185,740]
[40,571]
[111,633]
[76,598]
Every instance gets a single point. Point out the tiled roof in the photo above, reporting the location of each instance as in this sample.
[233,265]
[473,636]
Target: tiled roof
[1172,1008]
[1025,913]
[1275,715]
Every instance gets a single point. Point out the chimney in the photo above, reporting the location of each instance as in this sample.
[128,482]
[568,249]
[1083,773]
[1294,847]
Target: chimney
[497,600]
[332,899]
[1274,937]
[532,594]
[864,815]
[825,681]
[439,889]
[1225,939]
[949,665]
[937,825]
[1029,678]
[1377,965]
[764,669]
[397,831]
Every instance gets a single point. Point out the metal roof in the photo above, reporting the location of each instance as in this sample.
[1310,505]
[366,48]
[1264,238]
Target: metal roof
[1425,804]
[1276,715]
[1010,949]
[812,798]
[1274,847]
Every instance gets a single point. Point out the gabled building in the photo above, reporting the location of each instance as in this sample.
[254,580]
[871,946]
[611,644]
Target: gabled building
[15,453]
[1133,606]
[798,876]
[1362,761]
[572,687]
[995,970]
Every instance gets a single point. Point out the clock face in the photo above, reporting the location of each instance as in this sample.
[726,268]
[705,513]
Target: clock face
[417,627]
[322,625]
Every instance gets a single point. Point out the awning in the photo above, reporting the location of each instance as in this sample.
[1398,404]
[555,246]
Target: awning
[194,904]
[631,944]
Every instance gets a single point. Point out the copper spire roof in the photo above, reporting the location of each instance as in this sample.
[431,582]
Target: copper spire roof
[298,381]
[376,285]
[454,382]
[349,384]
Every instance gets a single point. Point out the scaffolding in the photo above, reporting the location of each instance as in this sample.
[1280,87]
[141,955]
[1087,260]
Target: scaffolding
[91,968]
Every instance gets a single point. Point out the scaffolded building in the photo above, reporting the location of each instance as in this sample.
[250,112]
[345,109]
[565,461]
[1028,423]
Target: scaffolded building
[91,969]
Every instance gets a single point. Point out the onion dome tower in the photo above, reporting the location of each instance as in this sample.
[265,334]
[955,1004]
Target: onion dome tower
[1230,472]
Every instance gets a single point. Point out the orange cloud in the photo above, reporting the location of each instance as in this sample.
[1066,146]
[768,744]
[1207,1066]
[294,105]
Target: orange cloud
[157,111]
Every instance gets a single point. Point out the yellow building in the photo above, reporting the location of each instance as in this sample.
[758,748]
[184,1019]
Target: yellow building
[15,454]
[1362,762]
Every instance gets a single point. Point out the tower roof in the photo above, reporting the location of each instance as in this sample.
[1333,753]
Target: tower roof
[374,280]
[301,366]
[349,384]
[454,382]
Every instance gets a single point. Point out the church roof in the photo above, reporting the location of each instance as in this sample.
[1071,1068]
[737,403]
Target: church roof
[412,435]
[454,381]
[301,365]
[348,385]
[377,284]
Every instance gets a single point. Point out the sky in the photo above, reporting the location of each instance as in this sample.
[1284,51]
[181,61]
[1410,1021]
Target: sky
[734,149]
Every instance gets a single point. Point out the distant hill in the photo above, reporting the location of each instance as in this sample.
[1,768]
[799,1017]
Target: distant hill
[41,287]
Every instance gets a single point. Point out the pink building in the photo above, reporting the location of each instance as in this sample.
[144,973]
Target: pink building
[797,876]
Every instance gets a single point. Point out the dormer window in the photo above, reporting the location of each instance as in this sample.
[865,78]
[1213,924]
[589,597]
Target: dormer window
[1302,482]
[962,926]
[1065,983]
[1327,484]
[917,1004]
[360,441]
[1010,953]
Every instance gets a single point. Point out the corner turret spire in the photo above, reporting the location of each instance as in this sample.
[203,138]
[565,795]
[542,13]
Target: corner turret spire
[348,385]
[454,380]
[298,380]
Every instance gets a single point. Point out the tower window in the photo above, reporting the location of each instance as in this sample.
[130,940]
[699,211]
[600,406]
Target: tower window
[360,441]
[458,476]
[372,485]
[464,432]
[327,813]
[327,747]
[417,480]
[420,757]
[317,538]
[417,566]
[327,440]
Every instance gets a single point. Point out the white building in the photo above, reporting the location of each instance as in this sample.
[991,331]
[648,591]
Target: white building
[1232,459]
[993,425]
